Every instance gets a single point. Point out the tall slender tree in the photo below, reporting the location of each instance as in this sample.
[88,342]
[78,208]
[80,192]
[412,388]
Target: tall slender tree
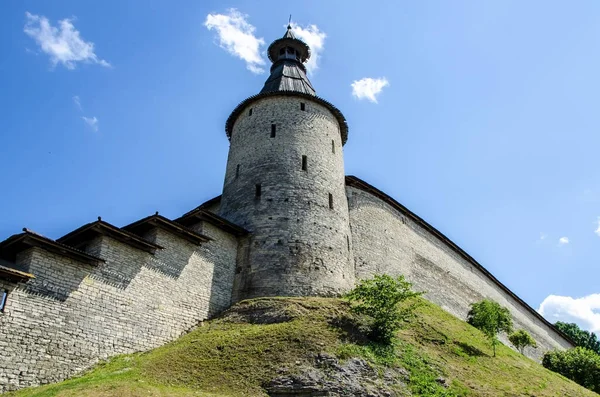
[491,319]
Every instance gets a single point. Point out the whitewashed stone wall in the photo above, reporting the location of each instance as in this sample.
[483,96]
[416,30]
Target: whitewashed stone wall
[73,314]
[299,245]
[387,242]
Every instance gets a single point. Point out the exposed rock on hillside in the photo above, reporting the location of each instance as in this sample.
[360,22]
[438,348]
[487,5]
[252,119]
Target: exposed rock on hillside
[329,377]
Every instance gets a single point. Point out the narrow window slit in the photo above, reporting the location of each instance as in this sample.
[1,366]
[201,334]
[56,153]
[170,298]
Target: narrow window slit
[304,163]
[237,171]
[302,106]
[258,191]
[273,130]
[250,112]
[330,201]
[332,146]
[3,295]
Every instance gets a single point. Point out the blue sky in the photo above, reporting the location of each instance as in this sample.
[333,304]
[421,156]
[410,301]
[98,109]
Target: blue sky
[485,123]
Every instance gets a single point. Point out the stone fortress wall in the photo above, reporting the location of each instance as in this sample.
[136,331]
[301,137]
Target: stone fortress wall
[74,313]
[389,239]
[291,149]
[289,223]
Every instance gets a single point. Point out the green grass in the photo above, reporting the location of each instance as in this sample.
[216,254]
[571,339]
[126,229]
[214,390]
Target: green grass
[235,356]
[465,357]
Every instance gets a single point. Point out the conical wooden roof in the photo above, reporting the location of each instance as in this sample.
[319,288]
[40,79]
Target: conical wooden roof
[288,72]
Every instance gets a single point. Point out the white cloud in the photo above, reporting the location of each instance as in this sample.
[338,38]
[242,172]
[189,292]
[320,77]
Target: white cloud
[92,122]
[77,102]
[597,231]
[563,241]
[63,44]
[584,311]
[315,39]
[369,88]
[236,36]
[543,236]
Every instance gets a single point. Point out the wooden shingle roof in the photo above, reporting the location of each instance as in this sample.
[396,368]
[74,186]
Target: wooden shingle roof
[85,233]
[10,247]
[287,75]
[157,221]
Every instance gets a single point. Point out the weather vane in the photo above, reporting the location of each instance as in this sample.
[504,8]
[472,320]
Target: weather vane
[290,20]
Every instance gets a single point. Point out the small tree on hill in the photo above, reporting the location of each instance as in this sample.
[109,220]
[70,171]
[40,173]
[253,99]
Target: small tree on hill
[491,319]
[521,339]
[378,298]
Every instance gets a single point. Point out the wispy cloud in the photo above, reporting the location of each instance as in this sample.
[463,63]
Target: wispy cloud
[369,88]
[563,241]
[236,36]
[77,102]
[63,44]
[92,122]
[597,231]
[543,236]
[584,311]
[315,39]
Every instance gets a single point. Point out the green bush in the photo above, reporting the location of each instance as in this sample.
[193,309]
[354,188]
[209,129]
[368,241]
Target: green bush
[491,319]
[379,298]
[521,339]
[579,364]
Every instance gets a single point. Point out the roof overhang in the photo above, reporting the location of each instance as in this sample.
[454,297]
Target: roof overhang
[10,247]
[200,214]
[79,237]
[9,272]
[157,221]
[300,46]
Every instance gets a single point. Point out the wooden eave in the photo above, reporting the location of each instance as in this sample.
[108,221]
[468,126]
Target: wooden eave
[202,206]
[287,41]
[14,275]
[364,186]
[200,214]
[157,221]
[10,247]
[82,235]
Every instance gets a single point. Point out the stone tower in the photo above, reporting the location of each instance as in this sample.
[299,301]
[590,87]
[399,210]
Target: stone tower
[285,183]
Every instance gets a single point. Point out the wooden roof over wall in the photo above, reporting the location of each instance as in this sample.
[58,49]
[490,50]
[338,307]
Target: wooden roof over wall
[10,272]
[10,247]
[158,221]
[85,233]
[200,214]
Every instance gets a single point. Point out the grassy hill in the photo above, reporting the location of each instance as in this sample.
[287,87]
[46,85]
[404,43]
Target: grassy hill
[313,344]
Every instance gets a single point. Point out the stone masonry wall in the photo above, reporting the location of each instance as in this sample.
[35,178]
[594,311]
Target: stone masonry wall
[387,242]
[73,314]
[299,245]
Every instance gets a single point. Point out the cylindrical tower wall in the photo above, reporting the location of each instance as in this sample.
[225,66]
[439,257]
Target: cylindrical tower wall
[285,183]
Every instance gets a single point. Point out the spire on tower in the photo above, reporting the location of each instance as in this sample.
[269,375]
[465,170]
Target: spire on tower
[288,78]
[289,34]
[288,73]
